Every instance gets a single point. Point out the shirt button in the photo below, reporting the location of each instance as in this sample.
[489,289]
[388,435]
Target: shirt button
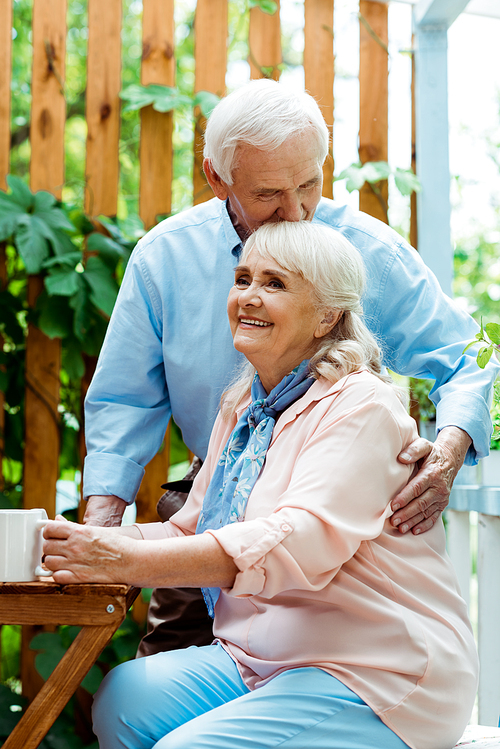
[285,527]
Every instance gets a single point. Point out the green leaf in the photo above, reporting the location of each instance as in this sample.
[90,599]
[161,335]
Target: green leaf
[406,181]
[8,225]
[354,177]
[484,355]
[168,98]
[375,171]
[70,259]
[8,717]
[469,345]
[206,101]
[31,244]
[52,650]
[493,332]
[137,97]
[62,281]
[163,98]
[46,208]
[109,250]
[104,288]
[20,192]
[93,680]
[266,6]
[55,318]
[72,360]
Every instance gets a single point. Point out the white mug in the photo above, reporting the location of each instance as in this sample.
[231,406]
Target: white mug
[21,545]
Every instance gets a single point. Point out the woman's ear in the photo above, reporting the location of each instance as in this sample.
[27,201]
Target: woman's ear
[218,186]
[328,322]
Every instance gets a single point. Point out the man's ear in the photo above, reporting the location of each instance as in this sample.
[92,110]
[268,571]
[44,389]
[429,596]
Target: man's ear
[218,186]
[328,322]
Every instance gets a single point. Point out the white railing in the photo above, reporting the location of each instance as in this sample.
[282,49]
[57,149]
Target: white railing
[473,539]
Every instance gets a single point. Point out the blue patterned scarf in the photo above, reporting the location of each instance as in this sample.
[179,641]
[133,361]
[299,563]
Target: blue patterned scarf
[243,456]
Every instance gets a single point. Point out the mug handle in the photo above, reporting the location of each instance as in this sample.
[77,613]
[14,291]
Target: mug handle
[40,571]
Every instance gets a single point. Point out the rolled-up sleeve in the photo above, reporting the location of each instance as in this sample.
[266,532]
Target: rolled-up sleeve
[339,496]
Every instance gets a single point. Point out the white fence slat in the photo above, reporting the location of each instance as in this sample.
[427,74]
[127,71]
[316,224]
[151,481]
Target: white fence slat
[458,545]
[488,568]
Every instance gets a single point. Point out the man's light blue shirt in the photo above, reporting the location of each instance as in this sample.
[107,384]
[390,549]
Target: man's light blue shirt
[168,349]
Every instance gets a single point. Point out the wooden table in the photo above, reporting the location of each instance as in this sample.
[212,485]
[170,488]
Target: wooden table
[98,609]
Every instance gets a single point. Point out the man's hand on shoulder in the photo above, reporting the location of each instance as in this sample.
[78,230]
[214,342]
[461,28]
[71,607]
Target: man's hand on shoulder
[104,510]
[420,503]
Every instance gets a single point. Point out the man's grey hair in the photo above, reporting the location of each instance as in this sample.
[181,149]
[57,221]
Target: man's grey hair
[263,114]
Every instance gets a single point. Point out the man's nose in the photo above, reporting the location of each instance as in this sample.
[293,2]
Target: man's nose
[291,208]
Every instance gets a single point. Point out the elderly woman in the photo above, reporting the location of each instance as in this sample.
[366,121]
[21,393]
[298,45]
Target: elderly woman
[331,628]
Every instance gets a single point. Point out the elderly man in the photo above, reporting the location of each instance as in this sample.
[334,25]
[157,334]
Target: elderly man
[168,350]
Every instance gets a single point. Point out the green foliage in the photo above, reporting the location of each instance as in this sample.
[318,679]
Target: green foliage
[489,335]
[81,264]
[166,98]
[267,6]
[374,172]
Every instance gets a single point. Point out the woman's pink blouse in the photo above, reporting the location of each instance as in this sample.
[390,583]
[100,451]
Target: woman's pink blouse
[324,579]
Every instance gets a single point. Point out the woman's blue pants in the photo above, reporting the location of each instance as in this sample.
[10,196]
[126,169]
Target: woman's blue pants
[196,699]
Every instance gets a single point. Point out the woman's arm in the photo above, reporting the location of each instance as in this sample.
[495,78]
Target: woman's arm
[89,554]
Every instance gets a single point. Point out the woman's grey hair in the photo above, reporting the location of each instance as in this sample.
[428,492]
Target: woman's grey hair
[263,114]
[336,272]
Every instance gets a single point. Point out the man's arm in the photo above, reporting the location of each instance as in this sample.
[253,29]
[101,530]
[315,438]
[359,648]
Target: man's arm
[426,496]
[104,511]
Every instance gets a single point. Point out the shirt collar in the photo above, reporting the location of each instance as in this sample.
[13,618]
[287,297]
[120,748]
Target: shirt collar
[232,237]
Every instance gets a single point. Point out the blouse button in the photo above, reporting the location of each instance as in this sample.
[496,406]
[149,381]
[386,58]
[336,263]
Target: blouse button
[285,527]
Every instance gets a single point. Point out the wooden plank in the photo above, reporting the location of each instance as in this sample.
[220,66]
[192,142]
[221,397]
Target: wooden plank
[264,44]
[150,490]
[103,107]
[5,74]
[43,355]
[373,91]
[49,587]
[90,366]
[319,70]
[210,52]
[158,66]
[60,609]
[48,107]
[42,438]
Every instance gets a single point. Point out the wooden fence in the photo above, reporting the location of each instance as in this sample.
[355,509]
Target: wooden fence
[43,355]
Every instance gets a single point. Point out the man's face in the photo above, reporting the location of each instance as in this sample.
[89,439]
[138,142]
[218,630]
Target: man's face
[283,184]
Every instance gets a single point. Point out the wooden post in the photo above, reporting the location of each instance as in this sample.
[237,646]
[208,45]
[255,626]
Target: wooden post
[5,73]
[264,44]
[373,91]
[103,107]
[319,70]
[103,123]
[43,355]
[210,55]
[158,66]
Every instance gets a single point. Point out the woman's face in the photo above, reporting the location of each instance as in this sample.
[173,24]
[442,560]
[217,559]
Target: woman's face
[273,317]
